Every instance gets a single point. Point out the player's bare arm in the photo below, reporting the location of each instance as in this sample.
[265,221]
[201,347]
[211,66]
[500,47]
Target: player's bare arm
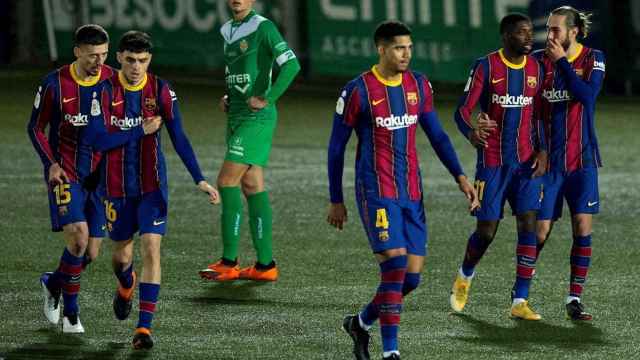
[337,215]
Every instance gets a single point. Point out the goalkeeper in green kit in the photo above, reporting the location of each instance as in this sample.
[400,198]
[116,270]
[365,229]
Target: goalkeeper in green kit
[252,44]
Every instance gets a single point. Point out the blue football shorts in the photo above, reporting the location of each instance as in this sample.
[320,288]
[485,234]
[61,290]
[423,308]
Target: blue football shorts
[496,185]
[71,203]
[146,214]
[578,187]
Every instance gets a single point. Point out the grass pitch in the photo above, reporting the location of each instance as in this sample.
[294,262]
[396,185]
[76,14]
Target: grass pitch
[325,274]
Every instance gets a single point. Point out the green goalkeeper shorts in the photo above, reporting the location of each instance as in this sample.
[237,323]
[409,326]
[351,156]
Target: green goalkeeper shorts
[249,141]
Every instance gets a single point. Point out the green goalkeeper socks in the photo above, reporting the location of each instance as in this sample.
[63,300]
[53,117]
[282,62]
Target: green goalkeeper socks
[231,219]
[260,224]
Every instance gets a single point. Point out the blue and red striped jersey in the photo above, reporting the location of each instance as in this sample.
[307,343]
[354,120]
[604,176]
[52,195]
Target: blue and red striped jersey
[139,166]
[570,88]
[385,117]
[507,93]
[66,104]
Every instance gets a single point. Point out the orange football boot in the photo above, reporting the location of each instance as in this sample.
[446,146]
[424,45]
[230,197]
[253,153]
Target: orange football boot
[252,273]
[220,272]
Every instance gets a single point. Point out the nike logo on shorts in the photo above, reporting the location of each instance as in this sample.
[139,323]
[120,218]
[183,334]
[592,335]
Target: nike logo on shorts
[590,204]
[158,222]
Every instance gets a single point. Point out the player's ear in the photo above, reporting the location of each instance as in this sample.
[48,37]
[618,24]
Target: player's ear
[76,51]
[119,57]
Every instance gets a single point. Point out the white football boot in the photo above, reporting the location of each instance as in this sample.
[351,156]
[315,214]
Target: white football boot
[51,303]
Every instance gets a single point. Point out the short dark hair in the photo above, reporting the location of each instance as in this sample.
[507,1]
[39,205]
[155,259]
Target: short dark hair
[135,41]
[575,18]
[386,31]
[90,34]
[509,22]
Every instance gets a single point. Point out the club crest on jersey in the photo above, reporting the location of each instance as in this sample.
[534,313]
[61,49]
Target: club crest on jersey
[244,45]
[395,122]
[412,98]
[532,81]
[150,104]
[63,210]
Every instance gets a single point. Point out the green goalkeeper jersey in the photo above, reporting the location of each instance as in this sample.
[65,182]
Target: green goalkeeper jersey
[251,46]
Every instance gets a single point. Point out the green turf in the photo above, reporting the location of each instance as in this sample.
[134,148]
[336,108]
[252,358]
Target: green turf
[325,274]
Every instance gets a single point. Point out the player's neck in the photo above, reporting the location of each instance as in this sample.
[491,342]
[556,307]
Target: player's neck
[239,16]
[80,73]
[512,56]
[388,74]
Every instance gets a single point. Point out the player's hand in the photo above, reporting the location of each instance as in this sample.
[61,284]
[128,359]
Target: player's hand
[257,103]
[57,176]
[540,164]
[469,191]
[485,126]
[555,51]
[337,215]
[214,197]
[223,105]
[151,124]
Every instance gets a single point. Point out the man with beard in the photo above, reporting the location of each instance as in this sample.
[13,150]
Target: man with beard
[572,81]
[510,157]
[384,106]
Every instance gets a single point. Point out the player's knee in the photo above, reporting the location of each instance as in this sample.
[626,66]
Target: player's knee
[250,187]
[77,237]
[543,229]
[527,222]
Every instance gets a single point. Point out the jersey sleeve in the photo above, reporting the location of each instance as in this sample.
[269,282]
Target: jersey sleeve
[344,119]
[472,93]
[584,90]
[41,114]
[97,134]
[438,138]
[172,118]
[284,57]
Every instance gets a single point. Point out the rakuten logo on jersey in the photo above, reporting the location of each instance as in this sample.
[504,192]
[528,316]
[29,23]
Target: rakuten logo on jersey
[554,95]
[77,120]
[396,122]
[510,101]
[127,123]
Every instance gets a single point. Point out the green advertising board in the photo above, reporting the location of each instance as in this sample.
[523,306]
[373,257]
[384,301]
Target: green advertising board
[185,32]
[447,34]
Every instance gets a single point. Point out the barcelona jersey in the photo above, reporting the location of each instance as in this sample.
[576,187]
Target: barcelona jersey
[385,117]
[570,89]
[66,104]
[139,167]
[507,93]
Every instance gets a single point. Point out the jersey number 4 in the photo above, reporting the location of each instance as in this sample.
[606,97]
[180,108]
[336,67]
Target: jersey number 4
[382,221]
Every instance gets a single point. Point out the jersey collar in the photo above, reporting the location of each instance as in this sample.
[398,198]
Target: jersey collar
[575,56]
[509,63]
[384,81]
[92,80]
[125,83]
